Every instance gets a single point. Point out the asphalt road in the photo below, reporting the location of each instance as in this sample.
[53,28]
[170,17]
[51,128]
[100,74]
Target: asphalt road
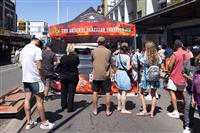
[82,120]
[10,77]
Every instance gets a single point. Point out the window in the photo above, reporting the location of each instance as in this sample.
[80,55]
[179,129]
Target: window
[163,5]
[139,14]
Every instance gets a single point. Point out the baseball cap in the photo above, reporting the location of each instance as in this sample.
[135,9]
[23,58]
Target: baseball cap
[41,42]
[101,39]
[178,44]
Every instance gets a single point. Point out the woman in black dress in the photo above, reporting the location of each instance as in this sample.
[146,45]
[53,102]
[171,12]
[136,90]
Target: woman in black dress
[69,77]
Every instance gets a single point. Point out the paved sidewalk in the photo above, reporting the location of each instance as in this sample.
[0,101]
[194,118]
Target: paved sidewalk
[82,120]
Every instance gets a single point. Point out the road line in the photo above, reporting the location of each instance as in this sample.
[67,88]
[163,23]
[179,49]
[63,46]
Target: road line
[8,69]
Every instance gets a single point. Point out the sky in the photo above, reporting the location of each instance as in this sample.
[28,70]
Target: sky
[46,10]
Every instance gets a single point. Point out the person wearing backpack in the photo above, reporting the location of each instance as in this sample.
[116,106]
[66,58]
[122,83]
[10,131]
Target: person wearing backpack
[150,78]
[188,71]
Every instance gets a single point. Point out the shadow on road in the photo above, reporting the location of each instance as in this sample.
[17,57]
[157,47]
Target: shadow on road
[81,106]
[54,96]
[130,105]
[179,105]
[157,109]
[51,116]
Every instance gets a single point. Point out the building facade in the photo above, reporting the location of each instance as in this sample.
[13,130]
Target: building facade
[8,17]
[120,10]
[38,28]
[182,25]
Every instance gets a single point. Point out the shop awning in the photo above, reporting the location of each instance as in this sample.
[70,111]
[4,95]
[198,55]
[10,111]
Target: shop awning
[180,12]
[89,25]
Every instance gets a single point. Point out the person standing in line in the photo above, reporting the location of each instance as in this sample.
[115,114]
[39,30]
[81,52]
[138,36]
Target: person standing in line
[69,78]
[122,78]
[150,59]
[101,59]
[49,60]
[189,69]
[31,63]
[17,52]
[12,55]
[168,53]
[177,82]
[161,52]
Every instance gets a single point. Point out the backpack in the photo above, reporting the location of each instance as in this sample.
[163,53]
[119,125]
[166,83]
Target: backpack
[153,73]
[196,82]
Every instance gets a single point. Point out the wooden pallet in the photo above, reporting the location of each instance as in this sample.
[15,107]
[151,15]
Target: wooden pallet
[12,102]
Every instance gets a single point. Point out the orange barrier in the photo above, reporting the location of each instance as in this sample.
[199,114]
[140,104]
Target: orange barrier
[134,88]
[84,86]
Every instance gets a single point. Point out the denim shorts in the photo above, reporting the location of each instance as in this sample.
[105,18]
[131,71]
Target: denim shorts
[31,87]
[105,85]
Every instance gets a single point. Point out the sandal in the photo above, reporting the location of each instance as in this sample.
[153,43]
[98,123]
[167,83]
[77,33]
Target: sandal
[151,115]
[119,109]
[126,112]
[94,113]
[108,113]
[142,114]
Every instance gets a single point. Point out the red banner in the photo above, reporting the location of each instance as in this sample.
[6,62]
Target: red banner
[105,28]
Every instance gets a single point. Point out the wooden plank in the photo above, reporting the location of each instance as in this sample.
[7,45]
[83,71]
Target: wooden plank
[13,102]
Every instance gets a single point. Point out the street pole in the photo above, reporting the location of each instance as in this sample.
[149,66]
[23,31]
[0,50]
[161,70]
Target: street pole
[58,11]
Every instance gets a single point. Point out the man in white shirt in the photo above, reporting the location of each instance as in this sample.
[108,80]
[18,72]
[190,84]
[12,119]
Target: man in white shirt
[30,61]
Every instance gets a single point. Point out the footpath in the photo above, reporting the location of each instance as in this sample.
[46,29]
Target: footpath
[82,120]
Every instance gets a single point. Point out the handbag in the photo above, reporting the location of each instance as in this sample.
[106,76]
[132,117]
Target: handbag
[129,72]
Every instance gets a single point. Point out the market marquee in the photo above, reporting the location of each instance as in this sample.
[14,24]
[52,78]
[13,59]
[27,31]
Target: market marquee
[92,24]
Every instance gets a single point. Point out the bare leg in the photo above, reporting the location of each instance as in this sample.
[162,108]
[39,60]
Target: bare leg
[95,102]
[40,107]
[27,108]
[124,103]
[119,101]
[153,101]
[183,97]
[46,91]
[123,100]
[143,102]
[108,97]
[174,100]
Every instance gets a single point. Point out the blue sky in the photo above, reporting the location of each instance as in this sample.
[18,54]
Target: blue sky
[46,10]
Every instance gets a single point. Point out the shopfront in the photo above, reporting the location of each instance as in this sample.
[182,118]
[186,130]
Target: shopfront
[179,21]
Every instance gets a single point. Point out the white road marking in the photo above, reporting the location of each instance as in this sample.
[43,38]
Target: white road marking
[9,69]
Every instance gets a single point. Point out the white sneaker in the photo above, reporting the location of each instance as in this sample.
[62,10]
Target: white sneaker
[31,125]
[174,114]
[47,125]
[188,130]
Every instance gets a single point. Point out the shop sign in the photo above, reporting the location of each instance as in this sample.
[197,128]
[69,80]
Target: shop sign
[96,28]
[4,32]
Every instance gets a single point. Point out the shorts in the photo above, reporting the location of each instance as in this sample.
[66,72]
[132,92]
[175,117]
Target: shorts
[31,87]
[105,85]
[47,82]
[174,87]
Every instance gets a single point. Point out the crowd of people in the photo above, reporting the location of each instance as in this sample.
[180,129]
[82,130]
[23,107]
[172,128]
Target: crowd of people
[143,67]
